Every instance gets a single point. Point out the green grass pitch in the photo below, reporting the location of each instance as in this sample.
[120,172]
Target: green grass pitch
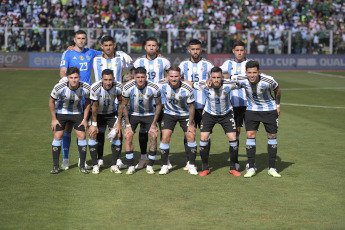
[309,195]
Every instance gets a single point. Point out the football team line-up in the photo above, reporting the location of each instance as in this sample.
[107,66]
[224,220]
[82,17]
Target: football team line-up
[194,94]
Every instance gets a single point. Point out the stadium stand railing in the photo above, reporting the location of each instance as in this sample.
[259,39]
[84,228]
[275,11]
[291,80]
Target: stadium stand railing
[37,39]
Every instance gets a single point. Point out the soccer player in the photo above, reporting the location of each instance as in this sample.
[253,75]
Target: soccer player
[66,105]
[82,58]
[104,112]
[156,66]
[178,107]
[262,107]
[116,61]
[140,95]
[238,98]
[196,69]
[218,109]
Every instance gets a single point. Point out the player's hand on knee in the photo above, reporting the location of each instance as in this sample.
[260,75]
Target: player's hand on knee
[54,124]
[84,123]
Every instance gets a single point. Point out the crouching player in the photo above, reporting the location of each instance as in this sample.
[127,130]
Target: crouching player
[104,112]
[66,105]
[218,109]
[140,95]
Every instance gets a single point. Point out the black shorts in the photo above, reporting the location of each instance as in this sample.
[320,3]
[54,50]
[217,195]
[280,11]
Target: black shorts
[75,119]
[268,118]
[227,121]
[169,122]
[107,119]
[198,117]
[239,115]
[144,121]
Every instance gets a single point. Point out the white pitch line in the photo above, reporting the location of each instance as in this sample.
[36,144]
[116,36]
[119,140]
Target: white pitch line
[315,106]
[313,88]
[326,74]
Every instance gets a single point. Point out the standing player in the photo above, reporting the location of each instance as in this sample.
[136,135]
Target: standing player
[66,105]
[156,67]
[140,95]
[104,112]
[82,58]
[178,107]
[262,107]
[115,61]
[218,109]
[196,69]
[237,66]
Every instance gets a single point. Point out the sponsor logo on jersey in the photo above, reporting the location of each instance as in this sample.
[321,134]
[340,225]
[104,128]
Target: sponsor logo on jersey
[81,58]
[74,58]
[202,69]
[158,66]
[116,64]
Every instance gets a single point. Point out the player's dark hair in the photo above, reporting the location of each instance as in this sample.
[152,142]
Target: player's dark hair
[73,70]
[140,70]
[108,72]
[107,38]
[151,39]
[174,68]
[216,70]
[80,32]
[239,43]
[132,69]
[194,42]
[253,64]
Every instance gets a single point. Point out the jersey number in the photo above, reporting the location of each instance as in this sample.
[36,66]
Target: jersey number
[172,101]
[151,75]
[83,66]
[195,77]
[233,123]
[217,100]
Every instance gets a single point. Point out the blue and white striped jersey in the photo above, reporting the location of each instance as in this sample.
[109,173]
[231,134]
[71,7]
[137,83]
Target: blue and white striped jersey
[176,100]
[259,96]
[141,100]
[69,101]
[106,98]
[238,97]
[120,61]
[155,68]
[217,100]
[83,60]
[196,72]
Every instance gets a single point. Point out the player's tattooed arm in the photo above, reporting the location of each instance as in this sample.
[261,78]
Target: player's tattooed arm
[191,127]
[93,130]
[277,93]
[158,110]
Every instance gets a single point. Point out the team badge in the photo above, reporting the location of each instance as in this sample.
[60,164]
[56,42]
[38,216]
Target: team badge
[150,66]
[158,66]
[180,97]
[148,95]
[108,65]
[195,69]
[238,69]
[106,96]
[261,90]
[172,95]
[216,94]
[72,96]
[140,95]
[87,57]
[81,58]
[202,69]
[116,64]
[224,93]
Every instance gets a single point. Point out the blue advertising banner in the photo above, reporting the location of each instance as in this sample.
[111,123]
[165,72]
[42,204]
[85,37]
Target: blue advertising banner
[45,60]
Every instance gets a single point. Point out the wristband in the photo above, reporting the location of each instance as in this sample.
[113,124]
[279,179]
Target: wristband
[128,125]
[94,123]
[278,105]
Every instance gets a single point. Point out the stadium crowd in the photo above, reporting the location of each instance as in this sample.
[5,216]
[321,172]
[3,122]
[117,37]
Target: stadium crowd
[309,21]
